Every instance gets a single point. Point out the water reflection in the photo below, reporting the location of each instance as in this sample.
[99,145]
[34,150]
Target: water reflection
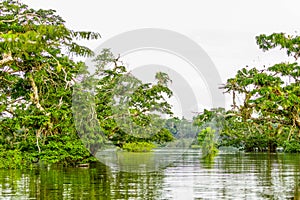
[230,176]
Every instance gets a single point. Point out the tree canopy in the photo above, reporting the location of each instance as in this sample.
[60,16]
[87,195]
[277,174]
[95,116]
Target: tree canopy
[38,76]
[42,88]
[268,113]
[37,73]
[128,110]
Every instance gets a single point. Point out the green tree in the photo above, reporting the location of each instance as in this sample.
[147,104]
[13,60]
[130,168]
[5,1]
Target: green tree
[37,73]
[128,111]
[267,113]
[271,96]
[208,143]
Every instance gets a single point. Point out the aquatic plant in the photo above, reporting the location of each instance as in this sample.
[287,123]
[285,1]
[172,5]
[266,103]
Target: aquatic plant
[209,143]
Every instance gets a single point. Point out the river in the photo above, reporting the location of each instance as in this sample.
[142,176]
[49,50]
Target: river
[230,176]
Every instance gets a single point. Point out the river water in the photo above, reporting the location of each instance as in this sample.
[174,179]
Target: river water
[230,176]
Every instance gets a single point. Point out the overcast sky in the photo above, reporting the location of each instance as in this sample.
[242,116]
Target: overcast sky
[226,30]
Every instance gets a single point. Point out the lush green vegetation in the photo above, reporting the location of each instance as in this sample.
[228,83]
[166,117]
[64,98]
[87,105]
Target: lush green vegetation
[126,108]
[207,138]
[267,116]
[37,73]
[138,146]
[39,77]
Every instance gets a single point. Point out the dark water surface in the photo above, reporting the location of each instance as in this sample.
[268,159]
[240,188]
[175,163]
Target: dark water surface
[231,176]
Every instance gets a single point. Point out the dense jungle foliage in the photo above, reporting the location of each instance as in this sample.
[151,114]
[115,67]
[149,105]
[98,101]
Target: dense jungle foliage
[38,79]
[266,117]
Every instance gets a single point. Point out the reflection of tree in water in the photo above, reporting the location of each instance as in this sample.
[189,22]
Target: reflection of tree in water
[137,185]
[271,172]
[96,182]
[297,188]
[233,175]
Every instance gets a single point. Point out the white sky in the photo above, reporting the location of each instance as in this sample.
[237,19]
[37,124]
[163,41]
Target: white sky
[226,30]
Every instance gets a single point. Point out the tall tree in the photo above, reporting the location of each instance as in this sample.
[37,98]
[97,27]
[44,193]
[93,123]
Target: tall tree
[129,110]
[271,96]
[37,74]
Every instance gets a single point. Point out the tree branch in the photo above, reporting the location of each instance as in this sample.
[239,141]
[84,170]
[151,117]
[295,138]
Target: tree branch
[35,97]
[20,16]
[6,58]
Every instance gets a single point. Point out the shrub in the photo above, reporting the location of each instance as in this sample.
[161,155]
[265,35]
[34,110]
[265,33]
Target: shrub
[292,146]
[138,146]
